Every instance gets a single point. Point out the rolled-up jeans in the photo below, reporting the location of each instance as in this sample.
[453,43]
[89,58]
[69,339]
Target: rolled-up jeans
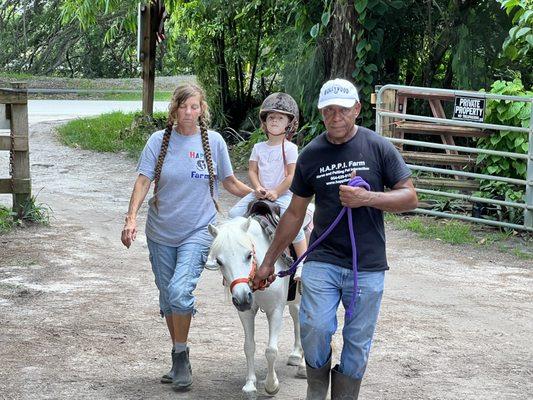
[283,201]
[324,286]
[177,271]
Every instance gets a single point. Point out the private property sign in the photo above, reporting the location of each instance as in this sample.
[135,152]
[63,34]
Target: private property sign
[469,109]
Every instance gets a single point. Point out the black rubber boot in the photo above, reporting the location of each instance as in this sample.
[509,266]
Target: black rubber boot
[182,371]
[318,381]
[169,376]
[343,387]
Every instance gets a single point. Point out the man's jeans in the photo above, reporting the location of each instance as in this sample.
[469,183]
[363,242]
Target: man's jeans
[324,286]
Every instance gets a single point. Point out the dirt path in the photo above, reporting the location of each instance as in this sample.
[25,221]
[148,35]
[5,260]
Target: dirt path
[79,318]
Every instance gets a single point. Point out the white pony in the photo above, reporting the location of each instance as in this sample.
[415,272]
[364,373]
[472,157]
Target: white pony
[238,248]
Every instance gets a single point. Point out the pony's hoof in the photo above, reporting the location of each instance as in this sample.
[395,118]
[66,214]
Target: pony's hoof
[301,372]
[249,391]
[294,360]
[272,391]
[249,395]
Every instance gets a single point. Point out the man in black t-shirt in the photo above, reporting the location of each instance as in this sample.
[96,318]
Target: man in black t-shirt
[323,170]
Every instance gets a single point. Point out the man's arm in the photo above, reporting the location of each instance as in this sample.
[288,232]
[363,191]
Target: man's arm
[401,198]
[287,229]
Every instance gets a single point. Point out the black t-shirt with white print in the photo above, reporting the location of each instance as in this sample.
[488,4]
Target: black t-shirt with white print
[321,168]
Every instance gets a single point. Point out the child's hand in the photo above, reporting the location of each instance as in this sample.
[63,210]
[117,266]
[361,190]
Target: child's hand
[260,192]
[272,195]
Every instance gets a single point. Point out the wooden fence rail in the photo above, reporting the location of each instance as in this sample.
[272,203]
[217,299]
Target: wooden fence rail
[15,101]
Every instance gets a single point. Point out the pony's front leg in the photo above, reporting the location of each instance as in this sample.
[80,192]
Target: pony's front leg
[275,321]
[248,323]
[297,356]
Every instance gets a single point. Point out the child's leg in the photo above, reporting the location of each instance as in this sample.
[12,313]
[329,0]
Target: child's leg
[299,242]
[300,248]
[240,208]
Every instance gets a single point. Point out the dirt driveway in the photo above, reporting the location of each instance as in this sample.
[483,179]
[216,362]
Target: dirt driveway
[79,317]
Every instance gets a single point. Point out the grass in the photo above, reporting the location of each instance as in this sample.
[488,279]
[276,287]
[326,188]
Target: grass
[6,220]
[112,132]
[30,212]
[16,75]
[452,232]
[463,233]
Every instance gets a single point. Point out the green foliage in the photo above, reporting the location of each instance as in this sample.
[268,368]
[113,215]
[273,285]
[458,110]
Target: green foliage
[6,219]
[112,132]
[453,232]
[519,43]
[45,37]
[235,51]
[509,113]
[30,211]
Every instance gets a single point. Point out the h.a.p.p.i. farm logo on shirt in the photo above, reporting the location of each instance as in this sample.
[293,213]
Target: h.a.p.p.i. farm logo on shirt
[340,173]
[198,165]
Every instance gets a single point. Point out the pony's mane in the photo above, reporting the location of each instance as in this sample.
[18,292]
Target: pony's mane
[231,232]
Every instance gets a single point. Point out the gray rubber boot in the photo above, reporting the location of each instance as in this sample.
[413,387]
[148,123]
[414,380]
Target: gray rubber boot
[169,376]
[182,371]
[318,381]
[343,387]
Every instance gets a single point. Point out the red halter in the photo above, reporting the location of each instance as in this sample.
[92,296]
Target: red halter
[251,275]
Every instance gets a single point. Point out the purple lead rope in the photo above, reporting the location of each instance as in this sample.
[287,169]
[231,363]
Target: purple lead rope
[355,182]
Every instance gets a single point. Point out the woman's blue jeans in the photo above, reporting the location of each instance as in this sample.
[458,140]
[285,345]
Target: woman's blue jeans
[324,286]
[177,271]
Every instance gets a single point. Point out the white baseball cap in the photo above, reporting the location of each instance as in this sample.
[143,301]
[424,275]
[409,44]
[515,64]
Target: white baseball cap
[339,92]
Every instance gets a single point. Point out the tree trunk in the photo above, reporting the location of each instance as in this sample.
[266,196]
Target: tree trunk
[222,71]
[340,44]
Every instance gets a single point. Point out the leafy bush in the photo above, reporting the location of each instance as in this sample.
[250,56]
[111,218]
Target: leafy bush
[509,113]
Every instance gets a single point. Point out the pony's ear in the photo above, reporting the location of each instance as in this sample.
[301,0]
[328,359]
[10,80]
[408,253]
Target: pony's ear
[246,224]
[212,230]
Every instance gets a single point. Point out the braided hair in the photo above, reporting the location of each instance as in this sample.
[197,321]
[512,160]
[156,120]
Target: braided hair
[182,94]
[208,158]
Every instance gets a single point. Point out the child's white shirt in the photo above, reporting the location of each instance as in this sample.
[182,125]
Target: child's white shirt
[270,165]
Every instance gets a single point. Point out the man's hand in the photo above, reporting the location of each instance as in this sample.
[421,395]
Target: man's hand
[354,197]
[272,195]
[263,277]
[129,232]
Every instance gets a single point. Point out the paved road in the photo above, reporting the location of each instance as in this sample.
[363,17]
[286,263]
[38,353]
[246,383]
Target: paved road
[53,110]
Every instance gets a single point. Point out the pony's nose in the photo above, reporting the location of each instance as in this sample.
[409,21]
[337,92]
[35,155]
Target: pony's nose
[243,303]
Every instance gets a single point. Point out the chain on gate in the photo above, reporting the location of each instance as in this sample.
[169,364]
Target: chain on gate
[12,160]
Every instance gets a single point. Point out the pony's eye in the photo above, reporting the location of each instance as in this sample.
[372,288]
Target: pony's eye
[219,262]
[249,257]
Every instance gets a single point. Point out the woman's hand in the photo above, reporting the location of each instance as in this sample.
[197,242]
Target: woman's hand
[129,232]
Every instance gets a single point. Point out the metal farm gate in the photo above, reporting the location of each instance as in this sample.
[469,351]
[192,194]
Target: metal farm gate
[447,167]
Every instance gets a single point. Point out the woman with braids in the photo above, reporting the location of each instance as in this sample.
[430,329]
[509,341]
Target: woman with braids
[186,162]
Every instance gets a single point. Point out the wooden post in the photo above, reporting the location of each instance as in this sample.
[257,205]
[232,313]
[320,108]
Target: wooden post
[388,104]
[149,15]
[21,158]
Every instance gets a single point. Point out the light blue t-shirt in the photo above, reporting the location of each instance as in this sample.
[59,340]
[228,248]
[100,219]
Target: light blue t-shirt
[185,207]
